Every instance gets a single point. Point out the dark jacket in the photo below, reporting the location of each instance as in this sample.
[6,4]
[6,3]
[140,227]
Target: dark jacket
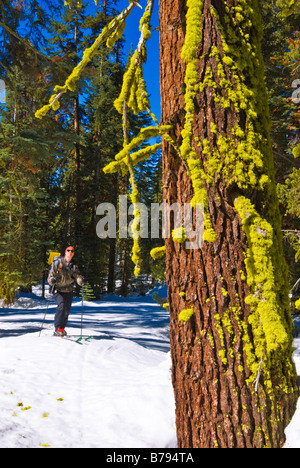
[65,275]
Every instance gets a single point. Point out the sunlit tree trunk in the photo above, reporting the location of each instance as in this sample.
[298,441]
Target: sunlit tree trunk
[234,380]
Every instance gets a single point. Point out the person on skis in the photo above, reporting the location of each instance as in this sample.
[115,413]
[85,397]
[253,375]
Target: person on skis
[62,276]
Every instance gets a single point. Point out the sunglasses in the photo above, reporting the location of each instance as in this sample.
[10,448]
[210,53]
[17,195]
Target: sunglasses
[70,250]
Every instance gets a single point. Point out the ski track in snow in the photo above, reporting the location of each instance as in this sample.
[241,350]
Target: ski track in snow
[113,392]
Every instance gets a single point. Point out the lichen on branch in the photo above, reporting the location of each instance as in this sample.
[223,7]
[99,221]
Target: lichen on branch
[134,88]
[110,33]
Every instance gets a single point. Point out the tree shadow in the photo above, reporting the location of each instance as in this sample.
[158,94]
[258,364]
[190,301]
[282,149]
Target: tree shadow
[137,319]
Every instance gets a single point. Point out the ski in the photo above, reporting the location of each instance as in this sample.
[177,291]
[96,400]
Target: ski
[88,338]
[75,339]
[71,339]
[80,340]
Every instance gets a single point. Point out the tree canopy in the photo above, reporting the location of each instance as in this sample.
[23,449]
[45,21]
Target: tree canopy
[58,57]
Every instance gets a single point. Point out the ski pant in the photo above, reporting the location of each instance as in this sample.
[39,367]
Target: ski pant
[64,303]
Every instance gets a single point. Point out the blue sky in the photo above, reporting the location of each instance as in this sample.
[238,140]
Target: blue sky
[151,68]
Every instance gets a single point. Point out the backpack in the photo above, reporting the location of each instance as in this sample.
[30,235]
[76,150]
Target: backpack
[53,258]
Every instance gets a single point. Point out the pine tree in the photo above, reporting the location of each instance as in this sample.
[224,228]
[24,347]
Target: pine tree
[66,36]
[105,139]
[282,55]
[234,380]
[88,293]
[22,152]
[31,149]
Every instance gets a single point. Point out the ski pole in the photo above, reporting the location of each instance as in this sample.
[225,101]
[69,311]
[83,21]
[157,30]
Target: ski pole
[48,302]
[51,292]
[81,311]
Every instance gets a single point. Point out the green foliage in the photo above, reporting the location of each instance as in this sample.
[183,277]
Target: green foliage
[281,48]
[288,7]
[45,195]
[24,161]
[88,293]
[289,193]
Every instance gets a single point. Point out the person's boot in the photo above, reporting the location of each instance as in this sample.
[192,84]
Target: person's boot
[60,332]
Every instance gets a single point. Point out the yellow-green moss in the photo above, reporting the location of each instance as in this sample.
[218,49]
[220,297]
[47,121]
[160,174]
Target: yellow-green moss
[116,35]
[296,151]
[212,341]
[134,91]
[224,292]
[134,96]
[242,158]
[287,6]
[42,112]
[135,228]
[185,315]
[110,33]
[136,157]
[178,235]
[189,56]
[237,158]
[219,328]
[158,252]
[267,319]
[121,158]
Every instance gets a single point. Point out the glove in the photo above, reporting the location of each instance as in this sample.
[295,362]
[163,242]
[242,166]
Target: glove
[82,281]
[52,285]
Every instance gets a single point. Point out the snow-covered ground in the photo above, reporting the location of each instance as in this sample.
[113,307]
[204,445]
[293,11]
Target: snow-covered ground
[114,392]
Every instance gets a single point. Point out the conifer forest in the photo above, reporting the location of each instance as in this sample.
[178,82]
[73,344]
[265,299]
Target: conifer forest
[80,144]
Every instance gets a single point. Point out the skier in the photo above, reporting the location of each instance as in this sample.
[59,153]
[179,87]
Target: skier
[63,273]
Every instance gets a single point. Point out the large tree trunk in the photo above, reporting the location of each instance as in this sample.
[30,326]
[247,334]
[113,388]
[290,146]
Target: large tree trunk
[234,380]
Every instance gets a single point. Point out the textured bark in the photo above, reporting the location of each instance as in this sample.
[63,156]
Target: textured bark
[216,406]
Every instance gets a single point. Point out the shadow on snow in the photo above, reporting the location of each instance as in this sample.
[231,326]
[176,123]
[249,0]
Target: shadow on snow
[138,319]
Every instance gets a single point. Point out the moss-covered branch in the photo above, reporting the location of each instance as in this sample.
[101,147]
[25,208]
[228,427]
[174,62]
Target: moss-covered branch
[110,33]
[134,88]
